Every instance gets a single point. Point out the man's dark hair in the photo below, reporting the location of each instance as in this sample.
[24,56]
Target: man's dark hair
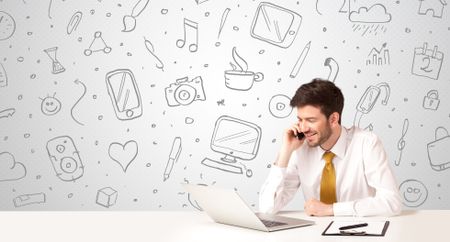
[322,94]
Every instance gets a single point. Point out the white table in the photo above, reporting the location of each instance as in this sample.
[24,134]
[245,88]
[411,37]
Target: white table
[159,226]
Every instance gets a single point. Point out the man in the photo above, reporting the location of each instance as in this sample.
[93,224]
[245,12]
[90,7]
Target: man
[343,172]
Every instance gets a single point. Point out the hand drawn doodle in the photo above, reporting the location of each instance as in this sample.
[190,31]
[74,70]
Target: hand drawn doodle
[427,62]
[79,99]
[300,60]
[7,26]
[65,158]
[97,44]
[279,106]
[275,25]
[149,46]
[106,197]
[240,79]
[436,7]
[184,92]
[10,169]
[378,57]
[129,21]
[74,22]
[413,192]
[57,67]
[222,21]
[401,142]
[333,68]
[190,29]
[50,105]
[28,199]
[124,93]
[431,100]
[235,139]
[6,113]
[368,100]
[173,157]
[438,150]
[123,154]
[3,76]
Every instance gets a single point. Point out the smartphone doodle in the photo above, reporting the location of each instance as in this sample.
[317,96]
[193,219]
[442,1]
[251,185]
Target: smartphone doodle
[124,93]
[65,158]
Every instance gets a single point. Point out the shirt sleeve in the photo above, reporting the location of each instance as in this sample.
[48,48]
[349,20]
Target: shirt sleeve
[379,176]
[279,187]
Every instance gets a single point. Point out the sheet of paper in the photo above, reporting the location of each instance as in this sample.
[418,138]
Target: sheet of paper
[373,227]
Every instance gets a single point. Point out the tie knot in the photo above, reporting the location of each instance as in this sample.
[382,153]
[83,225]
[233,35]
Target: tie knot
[328,156]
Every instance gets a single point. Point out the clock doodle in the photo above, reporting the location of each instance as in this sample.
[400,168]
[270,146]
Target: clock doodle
[7,26]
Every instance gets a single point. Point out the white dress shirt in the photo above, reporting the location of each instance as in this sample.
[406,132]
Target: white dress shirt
[365,184]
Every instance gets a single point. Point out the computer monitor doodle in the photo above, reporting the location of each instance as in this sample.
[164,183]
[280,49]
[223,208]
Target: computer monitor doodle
[236,139]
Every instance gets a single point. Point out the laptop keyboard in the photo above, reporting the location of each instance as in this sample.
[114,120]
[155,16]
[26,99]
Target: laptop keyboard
[270,223]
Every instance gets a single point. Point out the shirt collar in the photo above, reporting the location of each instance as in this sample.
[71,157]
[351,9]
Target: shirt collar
[340,147]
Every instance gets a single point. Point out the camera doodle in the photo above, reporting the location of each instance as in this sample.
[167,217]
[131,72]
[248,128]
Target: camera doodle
[184,92]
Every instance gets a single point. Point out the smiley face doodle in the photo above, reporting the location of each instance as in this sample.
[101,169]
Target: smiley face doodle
[50,105]
[414,193]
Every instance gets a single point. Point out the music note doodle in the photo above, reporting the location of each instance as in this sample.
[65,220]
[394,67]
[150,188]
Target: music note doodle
[192,28]
[401,142]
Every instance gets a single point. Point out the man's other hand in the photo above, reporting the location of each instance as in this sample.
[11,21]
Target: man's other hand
[314,207]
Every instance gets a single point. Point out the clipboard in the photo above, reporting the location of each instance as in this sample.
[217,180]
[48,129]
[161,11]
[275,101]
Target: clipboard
[374,228]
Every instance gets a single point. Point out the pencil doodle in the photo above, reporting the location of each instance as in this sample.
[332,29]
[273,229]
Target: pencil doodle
[378,57]
[413,192]
[124,93]
[57,67]
[173,157]
[28,199]
[401,142]
[106,197]
[74,22]
[129,21]
[427,62]
[300,60]
[368,100]
[436,7]
[97,44]
[275,25]
[7,25]
[333,68]
[3,76]
[240,78]
[123,154]
[185,91]
[279,106]
[65,158]
[6,113]
[50,105]
[149,46]
[438,149]
[79,99]
[222,21]
[190,30]
[431,100]
[10,169]
[236,139]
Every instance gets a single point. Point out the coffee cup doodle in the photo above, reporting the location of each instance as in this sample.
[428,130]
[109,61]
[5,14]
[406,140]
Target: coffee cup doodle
[240,78]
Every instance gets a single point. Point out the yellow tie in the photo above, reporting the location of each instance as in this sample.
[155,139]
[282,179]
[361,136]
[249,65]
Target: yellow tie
[328,182]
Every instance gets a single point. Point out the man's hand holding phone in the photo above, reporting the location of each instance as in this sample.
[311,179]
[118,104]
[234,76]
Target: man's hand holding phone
[293,138]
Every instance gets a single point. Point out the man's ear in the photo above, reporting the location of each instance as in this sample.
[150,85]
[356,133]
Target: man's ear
[334,118]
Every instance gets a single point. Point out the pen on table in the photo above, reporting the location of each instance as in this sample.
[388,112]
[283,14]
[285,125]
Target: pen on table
[300,60]
[174,154]
[354,226]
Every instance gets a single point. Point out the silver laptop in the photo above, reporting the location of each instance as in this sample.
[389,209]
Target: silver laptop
[225,206]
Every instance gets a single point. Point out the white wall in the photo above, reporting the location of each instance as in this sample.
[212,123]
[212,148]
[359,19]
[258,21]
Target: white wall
[80,107]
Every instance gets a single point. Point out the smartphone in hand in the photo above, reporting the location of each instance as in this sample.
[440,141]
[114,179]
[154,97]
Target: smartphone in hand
[300,136]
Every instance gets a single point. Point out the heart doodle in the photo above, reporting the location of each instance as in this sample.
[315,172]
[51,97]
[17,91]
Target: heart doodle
[123,154]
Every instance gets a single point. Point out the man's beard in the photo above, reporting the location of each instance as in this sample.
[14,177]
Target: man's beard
[325,135]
